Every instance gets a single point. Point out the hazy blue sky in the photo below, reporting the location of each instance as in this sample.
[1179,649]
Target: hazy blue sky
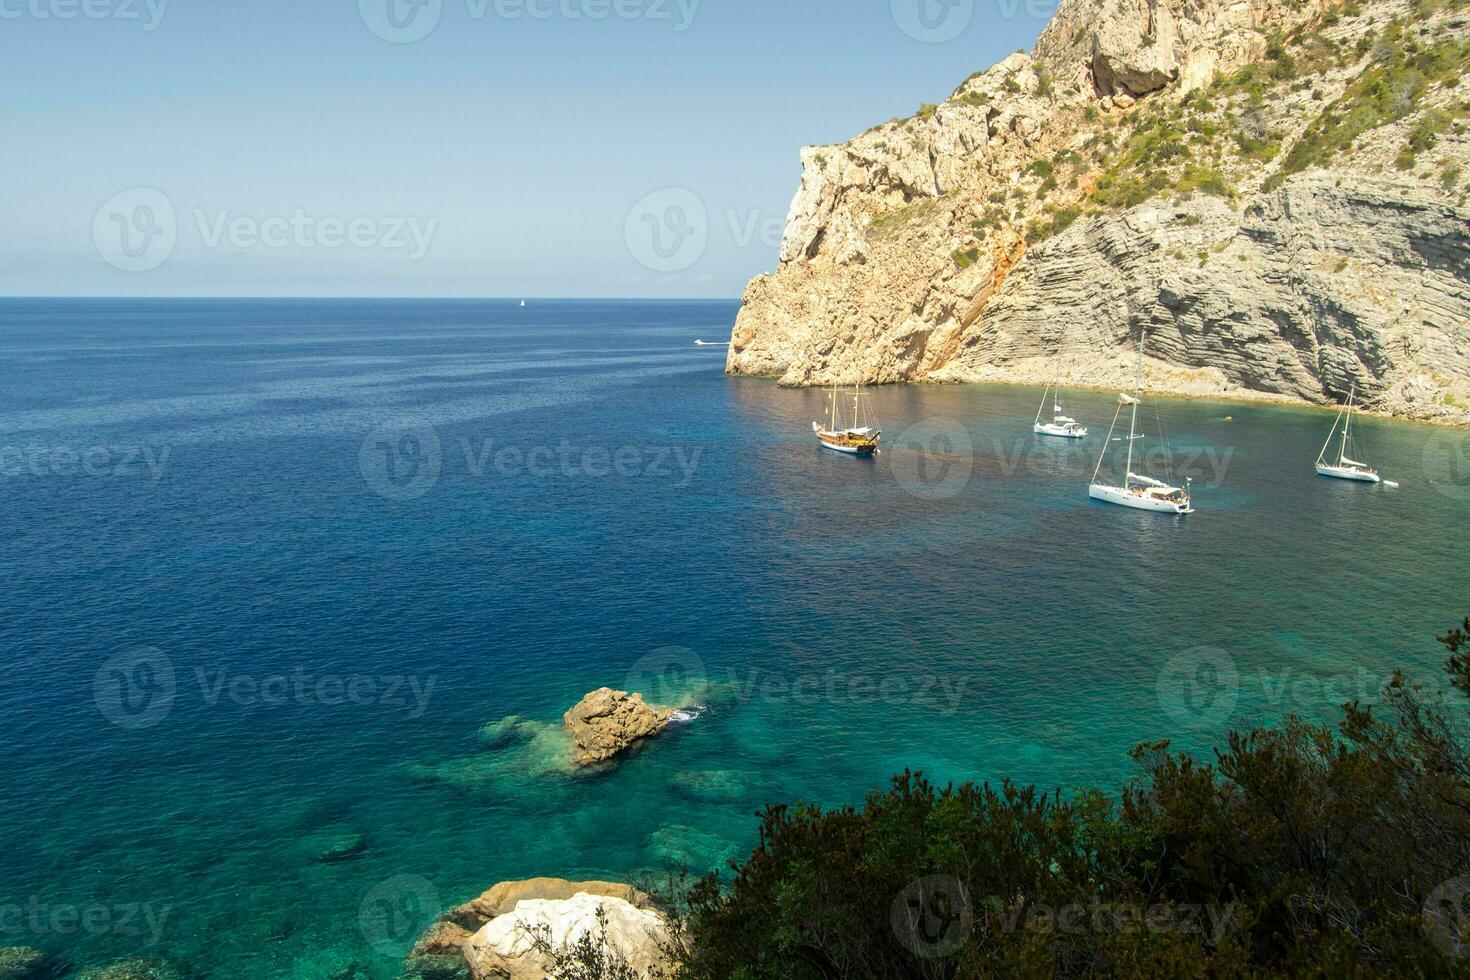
[324,147]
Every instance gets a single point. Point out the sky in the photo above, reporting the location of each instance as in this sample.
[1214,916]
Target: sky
[426,148]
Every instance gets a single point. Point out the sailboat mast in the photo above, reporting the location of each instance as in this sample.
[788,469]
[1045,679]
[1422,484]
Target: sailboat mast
[1348,428]
[1133,423]
[834,407]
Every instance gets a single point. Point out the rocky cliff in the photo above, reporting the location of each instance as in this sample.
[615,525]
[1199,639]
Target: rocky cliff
[1273,189]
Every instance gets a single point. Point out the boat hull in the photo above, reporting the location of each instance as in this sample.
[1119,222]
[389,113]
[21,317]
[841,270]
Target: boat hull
[1348,473]
[1060,432]
[1124,498]
[837,447]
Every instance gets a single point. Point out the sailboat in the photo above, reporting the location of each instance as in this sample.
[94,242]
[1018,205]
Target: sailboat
[1138,492]
[1345,468]
[523,304]
[1060,425]
[861,438]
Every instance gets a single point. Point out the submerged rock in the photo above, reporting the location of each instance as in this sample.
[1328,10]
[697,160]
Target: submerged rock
[138,968]
[606,723]
[714,785]
[22,963]
[342,847]
[683,848]
[507,946]
[511,728]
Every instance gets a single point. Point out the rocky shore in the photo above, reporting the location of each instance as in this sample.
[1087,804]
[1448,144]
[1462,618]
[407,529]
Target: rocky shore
[1229,177]
[516,930]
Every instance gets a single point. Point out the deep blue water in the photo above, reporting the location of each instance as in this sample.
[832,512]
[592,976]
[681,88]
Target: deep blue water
[221,517]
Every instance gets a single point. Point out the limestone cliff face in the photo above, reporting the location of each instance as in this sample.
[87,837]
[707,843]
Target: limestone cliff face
[1180,166]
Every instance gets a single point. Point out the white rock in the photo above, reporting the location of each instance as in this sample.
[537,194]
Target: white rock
[506,946]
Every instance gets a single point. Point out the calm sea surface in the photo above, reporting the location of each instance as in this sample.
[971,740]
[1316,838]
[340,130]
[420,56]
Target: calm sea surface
[270,567]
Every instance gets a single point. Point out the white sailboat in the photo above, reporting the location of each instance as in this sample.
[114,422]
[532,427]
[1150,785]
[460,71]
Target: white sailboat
[1136,491]
[1345,468]
[1061,425]
[861,438]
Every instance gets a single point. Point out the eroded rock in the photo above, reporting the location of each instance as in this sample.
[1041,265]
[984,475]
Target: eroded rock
[606,723]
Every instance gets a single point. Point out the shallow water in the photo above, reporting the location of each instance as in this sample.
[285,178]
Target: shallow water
[256,512]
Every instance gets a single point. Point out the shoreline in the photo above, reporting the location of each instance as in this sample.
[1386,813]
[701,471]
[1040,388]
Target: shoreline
[1239,397]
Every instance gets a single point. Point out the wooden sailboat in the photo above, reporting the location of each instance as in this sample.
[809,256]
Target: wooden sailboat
[1141,492]
[859,439]
[1344,468]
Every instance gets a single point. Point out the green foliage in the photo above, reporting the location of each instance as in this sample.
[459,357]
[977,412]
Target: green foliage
[927,111]
[1296,851]
[1056,221]
[967,257]
[1387,92]
[1012,86]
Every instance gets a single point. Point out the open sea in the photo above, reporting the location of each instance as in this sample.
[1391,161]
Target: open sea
[271,568]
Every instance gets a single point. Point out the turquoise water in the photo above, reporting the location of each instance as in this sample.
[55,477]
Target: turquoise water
[246,499]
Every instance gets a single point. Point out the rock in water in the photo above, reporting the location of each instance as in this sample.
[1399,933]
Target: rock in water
[135,969]
[21,963]
[343,847]
[506,947]
[607,722]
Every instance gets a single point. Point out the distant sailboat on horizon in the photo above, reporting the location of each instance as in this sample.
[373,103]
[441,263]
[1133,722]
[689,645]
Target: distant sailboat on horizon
[1141,492]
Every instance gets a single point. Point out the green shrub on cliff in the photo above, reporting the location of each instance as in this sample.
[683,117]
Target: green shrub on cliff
[1298,851]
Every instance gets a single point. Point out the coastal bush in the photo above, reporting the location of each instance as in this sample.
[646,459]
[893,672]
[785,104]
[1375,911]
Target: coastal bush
[1300,850]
